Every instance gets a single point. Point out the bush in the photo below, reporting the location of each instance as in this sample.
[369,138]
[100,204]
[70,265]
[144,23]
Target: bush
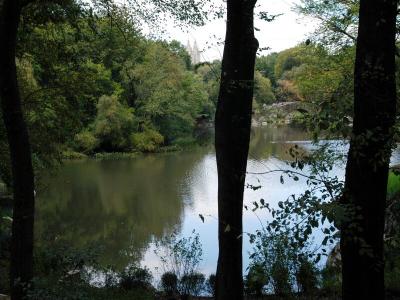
[134,277]
[331,281]
[256,280]
[85,141]
[192,284]
[307,277]
[169,283]
[113,124]
[280,277]
[147,141]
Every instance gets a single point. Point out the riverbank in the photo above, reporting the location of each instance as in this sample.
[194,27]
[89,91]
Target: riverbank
[277,114]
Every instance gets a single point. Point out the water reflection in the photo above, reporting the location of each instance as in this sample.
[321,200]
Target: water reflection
[124,205]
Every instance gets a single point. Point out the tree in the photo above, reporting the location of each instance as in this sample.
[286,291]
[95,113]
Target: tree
[337,18]
[263,93]
[364,195]
[113,124]
[169,97]
[21,162]
[266,66]
[232,135]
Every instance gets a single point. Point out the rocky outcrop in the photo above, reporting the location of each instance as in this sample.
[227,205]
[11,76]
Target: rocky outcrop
[278,113]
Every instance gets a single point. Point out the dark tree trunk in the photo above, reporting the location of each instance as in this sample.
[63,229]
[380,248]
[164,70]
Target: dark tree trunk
[232,136]
[22,173]
[370,148]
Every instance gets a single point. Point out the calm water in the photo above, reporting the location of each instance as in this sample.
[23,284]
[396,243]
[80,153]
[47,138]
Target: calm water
[125,205]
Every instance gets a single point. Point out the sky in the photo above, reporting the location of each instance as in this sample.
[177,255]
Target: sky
[286,31]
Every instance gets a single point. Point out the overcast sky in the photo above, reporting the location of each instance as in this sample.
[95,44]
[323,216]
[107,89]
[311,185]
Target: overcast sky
[285,32]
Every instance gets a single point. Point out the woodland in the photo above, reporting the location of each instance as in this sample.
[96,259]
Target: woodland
[85,80]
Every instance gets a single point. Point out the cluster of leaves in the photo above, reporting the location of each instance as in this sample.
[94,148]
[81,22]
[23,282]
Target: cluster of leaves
[279,265]
[338,20]
[283,258]
[316,208]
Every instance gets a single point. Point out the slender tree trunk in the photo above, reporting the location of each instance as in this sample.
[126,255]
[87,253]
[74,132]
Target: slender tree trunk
[232,136]
[369,154]
[22,173]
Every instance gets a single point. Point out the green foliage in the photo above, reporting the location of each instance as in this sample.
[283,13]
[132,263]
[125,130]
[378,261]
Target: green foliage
[326,82]
[255,280]
[266,66]
[113,124]
[85,141]
[393,188]
[282,247]
[263,93]
[338,20]
[307,277]
[331,281]
[288,59]
[210,73]
[273,266]
[70,56]
[147,141]
[168,96]
[180,51]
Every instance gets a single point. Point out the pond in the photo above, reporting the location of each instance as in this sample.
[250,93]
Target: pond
[126,205]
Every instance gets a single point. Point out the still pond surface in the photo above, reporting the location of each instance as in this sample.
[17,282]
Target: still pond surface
[126,205]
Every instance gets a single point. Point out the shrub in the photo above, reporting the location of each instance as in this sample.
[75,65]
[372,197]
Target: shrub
[307,277]
[113,124]
[192,284]
[169,283]
[147,141]
[331,281]
[135,277]
[256,280]
[280,278]
[85,141]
